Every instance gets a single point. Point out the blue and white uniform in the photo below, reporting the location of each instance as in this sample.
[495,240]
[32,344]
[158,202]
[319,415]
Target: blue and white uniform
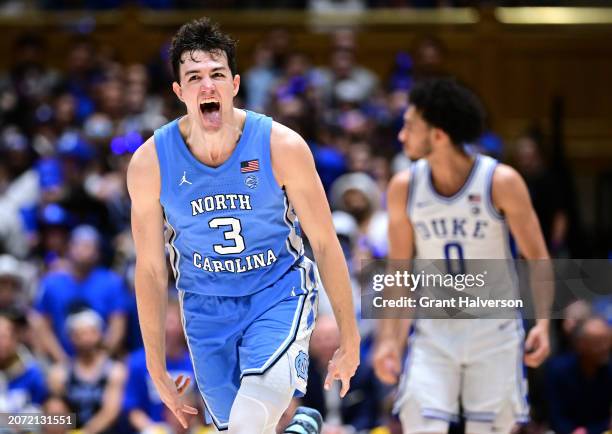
[248,293]
[477,361]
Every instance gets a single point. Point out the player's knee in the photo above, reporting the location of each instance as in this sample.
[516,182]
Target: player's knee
[476,428]
[413,421]
[256,410]
[502,426]
[274,386]
[248,416]
[503,422]
[261,401]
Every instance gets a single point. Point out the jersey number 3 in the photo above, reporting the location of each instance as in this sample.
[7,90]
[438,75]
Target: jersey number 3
[232,234]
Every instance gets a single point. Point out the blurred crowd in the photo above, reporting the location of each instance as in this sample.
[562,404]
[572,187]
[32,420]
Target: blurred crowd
[69,334]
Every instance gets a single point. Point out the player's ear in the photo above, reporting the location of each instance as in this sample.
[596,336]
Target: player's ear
[176,88]
[437,135]
[236,84]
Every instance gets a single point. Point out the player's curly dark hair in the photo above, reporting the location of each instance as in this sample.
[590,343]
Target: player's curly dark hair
[447,105]
[205,35]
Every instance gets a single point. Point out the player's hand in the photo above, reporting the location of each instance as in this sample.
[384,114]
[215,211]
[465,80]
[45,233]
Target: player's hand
[387,362]
[342,366]
[170,392]
[537,345]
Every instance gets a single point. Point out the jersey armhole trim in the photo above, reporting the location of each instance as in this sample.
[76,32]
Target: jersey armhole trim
[412,179]
[266,154]
[489,193]
[159,136]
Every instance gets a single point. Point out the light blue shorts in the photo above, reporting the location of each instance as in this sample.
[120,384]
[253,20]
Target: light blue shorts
[231,337]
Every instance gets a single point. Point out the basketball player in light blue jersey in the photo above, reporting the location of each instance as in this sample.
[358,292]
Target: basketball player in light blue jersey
[450,204]
[230,185]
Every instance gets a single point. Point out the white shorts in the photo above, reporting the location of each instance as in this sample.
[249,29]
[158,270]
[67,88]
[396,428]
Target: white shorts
[477,361]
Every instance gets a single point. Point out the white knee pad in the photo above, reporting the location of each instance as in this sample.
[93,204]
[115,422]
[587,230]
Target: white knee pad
[262,400]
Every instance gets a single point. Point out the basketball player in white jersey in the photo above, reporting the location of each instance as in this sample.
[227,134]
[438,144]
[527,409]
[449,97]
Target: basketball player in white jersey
[451,203]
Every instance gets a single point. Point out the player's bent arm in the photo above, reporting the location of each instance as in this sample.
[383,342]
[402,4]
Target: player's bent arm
[151,274]
[294,169]
[511,197]
[401,250]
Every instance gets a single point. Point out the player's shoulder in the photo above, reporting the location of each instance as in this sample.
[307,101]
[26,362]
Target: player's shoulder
[143,170]
[399,182]
[289,152]
[283,138]
[506,177]
[401,179]
[397,190]
[145,156]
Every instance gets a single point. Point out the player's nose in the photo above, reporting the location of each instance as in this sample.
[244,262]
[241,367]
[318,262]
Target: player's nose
[401,136]
[206,85]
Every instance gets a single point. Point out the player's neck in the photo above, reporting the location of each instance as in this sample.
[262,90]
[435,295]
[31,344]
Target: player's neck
[214,147]
[450,170]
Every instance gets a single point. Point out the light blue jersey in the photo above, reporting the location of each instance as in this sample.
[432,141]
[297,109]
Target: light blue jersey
[232,229]
[248,295]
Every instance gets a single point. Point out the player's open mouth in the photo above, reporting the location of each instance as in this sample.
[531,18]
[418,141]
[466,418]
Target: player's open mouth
[211,112]
[209,107]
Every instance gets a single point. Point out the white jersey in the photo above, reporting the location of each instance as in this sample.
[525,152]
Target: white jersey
[478,360]
[463,226]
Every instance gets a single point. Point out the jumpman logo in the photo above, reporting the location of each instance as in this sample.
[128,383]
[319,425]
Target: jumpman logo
[184,179]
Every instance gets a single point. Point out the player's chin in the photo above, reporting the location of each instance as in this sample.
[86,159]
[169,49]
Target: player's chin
[414,154]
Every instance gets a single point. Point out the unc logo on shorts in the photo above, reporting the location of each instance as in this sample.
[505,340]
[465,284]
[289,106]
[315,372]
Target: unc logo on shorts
[251,181]
[301,365]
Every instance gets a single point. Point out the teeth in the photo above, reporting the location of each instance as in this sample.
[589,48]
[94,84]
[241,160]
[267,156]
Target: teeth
[209,100]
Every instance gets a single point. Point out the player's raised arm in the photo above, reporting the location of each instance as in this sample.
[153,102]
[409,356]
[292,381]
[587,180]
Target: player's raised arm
[151,277]
[511,197]
[294,169]
[392,332]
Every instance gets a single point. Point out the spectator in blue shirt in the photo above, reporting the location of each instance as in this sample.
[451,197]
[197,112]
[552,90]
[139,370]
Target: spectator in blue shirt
[24,388]
[84,284]
[142,405]
[579,384]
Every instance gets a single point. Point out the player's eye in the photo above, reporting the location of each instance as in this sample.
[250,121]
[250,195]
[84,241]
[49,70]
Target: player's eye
[218,75]
[193,78]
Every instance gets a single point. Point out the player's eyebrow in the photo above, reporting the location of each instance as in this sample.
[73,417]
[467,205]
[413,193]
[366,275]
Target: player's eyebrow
[199,71]
[192,71]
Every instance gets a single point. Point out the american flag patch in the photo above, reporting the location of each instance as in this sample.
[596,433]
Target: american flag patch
[475,198]
[249,166]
